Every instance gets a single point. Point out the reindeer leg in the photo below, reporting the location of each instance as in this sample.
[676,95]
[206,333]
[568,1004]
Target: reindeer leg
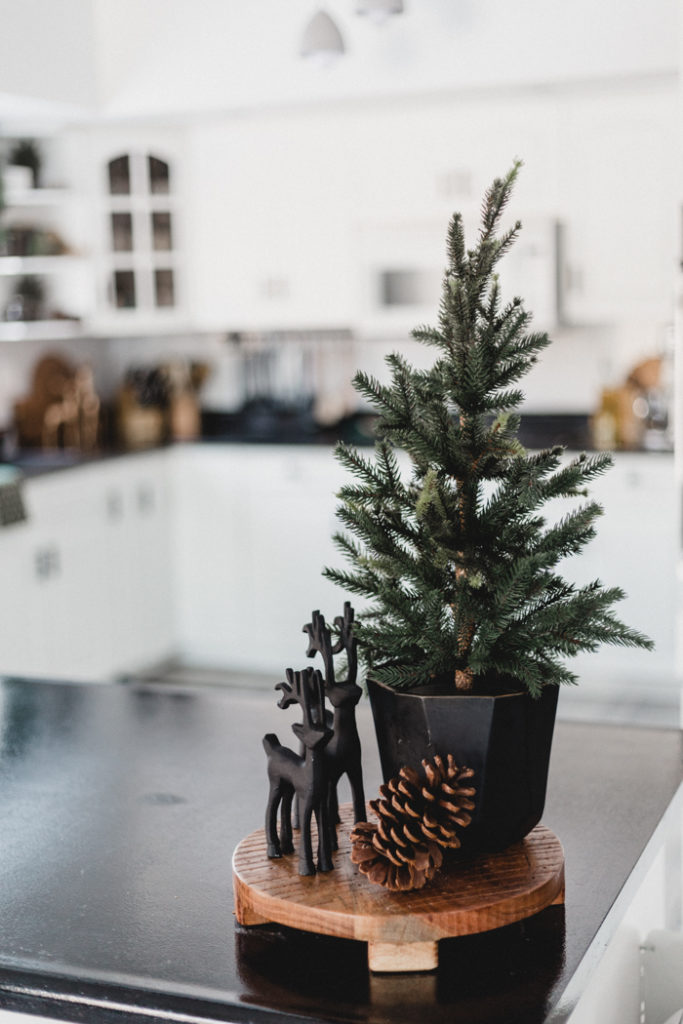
[306,865]
[296,816]
[334,803]
[273,843]
[355,775]
[286,843]
[332,813]
[325,833]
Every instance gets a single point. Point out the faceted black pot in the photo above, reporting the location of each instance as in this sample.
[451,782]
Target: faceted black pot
[505,739]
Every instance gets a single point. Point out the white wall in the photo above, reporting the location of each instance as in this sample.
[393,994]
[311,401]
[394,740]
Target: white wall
[47,53]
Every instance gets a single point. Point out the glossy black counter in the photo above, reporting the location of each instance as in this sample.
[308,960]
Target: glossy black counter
[537,431]
[121,805]
[262,423]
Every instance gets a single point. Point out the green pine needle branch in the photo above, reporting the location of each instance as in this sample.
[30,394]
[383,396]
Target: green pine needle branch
[455,562]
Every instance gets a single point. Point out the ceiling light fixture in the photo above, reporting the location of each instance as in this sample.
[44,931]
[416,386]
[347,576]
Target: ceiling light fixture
[322,41]
[379,11]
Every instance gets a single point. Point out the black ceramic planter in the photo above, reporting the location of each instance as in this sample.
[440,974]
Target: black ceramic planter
[505,739]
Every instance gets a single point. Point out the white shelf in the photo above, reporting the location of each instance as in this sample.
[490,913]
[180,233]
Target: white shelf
[37,197]
[131,323]
[40,330]
[12,266]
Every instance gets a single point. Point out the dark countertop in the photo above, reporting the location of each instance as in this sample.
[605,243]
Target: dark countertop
[37,463]
[263,424]
[260,422]
[122,804]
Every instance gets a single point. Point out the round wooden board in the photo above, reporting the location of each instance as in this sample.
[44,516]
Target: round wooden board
[402,929]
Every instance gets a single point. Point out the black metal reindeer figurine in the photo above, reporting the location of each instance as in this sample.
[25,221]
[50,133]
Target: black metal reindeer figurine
[343,753]
[301,774]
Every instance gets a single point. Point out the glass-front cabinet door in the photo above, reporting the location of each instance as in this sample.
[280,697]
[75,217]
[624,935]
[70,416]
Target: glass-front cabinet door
[139,255]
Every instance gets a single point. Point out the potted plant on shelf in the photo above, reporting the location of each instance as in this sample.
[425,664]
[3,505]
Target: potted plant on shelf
[468,622]
[26,154]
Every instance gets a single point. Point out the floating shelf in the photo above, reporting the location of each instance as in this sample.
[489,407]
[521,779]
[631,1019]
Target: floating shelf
[40,330]
[37,197]
[13,266]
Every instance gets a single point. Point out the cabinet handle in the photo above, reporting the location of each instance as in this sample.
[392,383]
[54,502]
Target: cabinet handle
[146,499]
[114,506]
[47,563]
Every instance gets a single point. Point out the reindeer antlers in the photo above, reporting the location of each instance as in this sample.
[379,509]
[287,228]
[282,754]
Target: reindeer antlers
[304,688]
[289,690]
[295,690]
[347,641]
[344,624]
[320,639]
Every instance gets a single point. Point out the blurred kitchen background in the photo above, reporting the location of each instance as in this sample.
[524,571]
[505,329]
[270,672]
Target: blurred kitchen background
[213,212]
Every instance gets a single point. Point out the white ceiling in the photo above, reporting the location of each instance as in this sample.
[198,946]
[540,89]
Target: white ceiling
[123,58]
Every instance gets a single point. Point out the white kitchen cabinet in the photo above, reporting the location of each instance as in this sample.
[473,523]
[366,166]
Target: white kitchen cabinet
[68,520]
[635,549]
[141,557]
[268,225]
[215,552]
[43,618]
[292,220]
[619,258]
[274,218]
[131,572]
[133,184]
[253,530]
[90,571]
[21,648]
[271,214]
[401,265]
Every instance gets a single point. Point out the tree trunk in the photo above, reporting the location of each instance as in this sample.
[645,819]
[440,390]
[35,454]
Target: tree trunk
[463,679]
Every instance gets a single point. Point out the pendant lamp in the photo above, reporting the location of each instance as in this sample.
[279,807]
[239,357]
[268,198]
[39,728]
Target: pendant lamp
[322,41]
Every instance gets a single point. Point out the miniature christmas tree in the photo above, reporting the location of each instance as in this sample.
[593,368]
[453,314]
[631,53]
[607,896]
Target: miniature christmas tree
[456,561]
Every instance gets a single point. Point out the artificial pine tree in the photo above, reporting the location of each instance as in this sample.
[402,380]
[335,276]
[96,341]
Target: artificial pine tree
[457,562]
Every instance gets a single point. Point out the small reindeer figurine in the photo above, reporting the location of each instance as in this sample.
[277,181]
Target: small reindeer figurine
[301,774]
[343,752]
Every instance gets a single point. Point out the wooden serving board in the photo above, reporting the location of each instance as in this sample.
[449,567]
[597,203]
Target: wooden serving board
[402,929]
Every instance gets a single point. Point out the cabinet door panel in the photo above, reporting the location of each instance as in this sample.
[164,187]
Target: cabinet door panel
[635,549]
[21,640]
[213,546]
[255,530]
[90,575]
[145,615]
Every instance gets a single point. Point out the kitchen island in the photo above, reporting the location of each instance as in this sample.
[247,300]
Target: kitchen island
[121,807]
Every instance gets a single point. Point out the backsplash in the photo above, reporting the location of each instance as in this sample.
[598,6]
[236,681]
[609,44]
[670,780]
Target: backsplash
[293,369]
[109,359]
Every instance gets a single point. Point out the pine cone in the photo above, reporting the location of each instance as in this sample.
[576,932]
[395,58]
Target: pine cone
[392,860]
[447,796]
[417,817]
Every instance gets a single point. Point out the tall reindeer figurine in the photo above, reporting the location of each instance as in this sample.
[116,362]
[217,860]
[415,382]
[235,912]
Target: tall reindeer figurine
[343,752]
[301,774]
